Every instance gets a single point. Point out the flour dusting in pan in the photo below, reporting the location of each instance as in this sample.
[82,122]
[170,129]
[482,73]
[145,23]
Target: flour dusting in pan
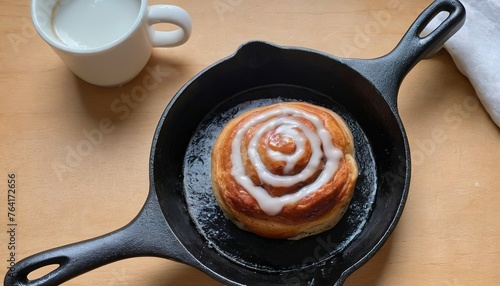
[246,248]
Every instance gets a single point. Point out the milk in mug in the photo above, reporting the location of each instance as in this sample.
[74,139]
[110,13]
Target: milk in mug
[88,24]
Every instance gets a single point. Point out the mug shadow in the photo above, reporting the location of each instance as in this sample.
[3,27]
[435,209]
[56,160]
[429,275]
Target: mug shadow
[158,77]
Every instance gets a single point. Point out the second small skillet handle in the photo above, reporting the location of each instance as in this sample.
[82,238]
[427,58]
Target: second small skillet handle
[387,72]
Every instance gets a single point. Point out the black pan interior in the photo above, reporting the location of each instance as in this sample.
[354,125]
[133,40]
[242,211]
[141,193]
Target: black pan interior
[251,250]
[256,75]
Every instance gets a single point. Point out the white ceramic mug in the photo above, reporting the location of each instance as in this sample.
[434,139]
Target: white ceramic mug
[107,42]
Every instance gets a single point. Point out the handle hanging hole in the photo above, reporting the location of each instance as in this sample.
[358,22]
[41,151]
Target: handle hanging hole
[42,271]
[434,23]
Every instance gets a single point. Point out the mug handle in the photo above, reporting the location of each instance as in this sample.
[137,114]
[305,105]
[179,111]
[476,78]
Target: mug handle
[168,14]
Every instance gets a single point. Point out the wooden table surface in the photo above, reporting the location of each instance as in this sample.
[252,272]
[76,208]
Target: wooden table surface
[70,188]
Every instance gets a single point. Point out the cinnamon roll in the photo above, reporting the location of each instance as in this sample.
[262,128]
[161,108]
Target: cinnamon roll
[286,170]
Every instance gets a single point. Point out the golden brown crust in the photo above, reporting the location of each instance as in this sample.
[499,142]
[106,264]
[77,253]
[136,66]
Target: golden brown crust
[312,214]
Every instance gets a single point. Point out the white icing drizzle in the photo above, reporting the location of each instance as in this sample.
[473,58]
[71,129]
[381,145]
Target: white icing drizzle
[284,121]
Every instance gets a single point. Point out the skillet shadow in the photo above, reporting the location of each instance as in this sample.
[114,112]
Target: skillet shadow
[368,274]
[373,270]
[183,275]
[162,76]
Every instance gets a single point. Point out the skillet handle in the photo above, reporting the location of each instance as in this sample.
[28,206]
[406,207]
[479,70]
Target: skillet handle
[147,235]
[387,72]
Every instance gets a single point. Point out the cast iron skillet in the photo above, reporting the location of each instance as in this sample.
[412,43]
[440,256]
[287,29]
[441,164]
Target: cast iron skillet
[180,219]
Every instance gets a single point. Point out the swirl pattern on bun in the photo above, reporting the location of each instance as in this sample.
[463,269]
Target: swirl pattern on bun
[286,170]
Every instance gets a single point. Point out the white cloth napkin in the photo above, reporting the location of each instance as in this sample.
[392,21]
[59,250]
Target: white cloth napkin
[475,49]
